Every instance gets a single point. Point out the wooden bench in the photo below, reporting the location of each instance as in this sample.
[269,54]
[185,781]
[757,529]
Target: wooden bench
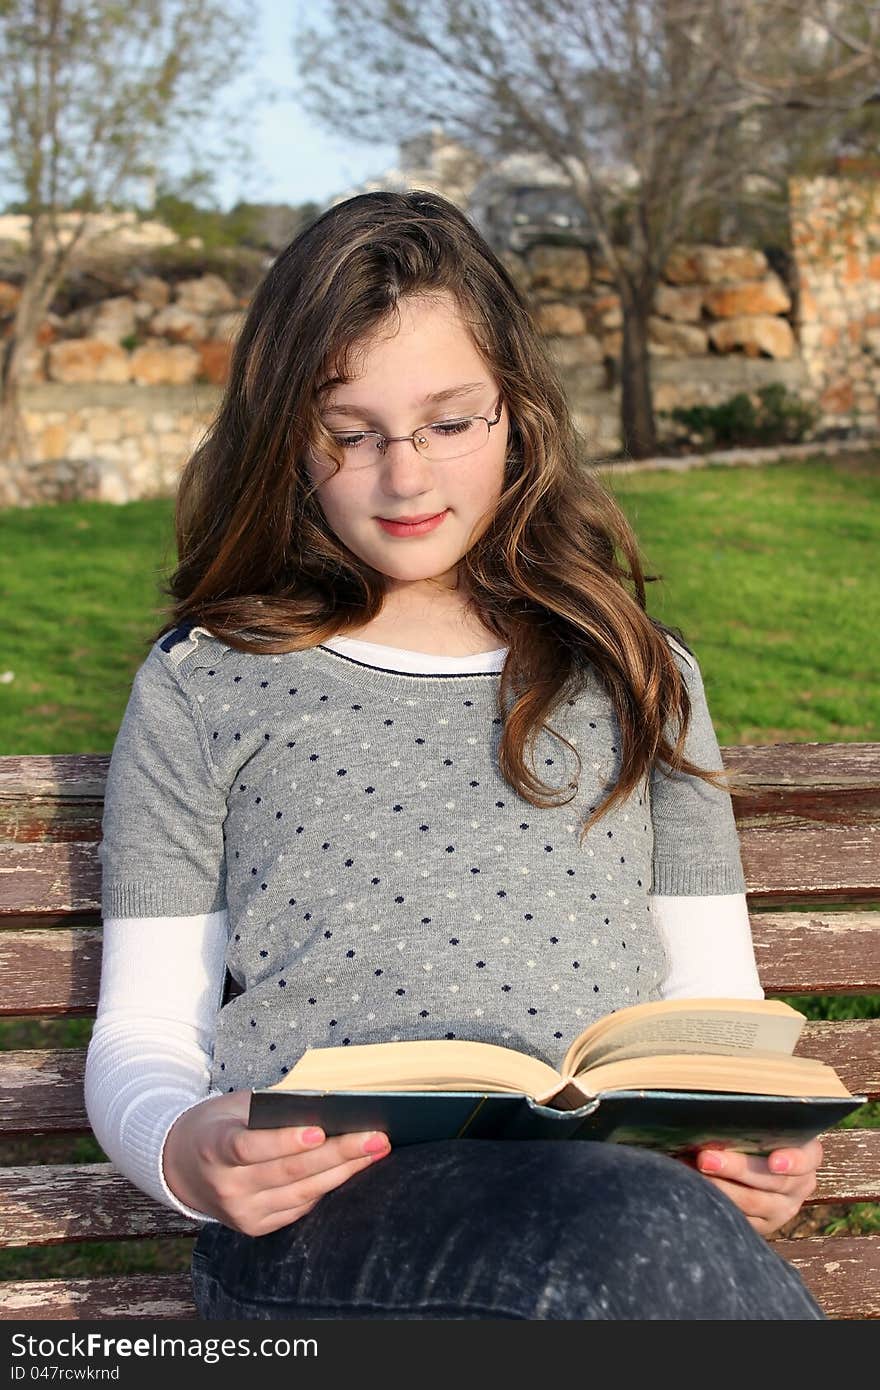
[811,848]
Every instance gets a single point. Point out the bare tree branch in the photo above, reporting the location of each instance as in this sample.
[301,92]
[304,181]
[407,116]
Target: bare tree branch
[652,111]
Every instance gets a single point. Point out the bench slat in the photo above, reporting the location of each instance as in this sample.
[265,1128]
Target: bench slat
[56,971]
[41,1090]
[55,1203]
[842,1273]
[806,783]
[812,831]
[52,796]
[158,1296]
[816,952]
[42,884]
[825,865]
[45,883]
[49,972]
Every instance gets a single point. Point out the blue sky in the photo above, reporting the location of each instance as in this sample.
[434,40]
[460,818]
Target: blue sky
[294,159]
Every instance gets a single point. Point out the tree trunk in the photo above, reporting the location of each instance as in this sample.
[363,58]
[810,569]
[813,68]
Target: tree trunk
[638,428]
[15,445]
[42,280]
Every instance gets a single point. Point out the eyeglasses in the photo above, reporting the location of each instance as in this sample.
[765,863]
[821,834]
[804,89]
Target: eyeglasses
[440,442]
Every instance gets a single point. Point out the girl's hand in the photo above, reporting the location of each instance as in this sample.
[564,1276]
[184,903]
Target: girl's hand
[257,1180]
[769,1189]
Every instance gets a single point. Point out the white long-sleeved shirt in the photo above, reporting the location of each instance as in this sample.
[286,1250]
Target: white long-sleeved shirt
[149,1058]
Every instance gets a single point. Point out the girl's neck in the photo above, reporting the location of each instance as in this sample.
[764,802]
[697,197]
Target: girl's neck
[434,629]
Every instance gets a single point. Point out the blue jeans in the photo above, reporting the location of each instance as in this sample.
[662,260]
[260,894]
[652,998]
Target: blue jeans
[502,1229]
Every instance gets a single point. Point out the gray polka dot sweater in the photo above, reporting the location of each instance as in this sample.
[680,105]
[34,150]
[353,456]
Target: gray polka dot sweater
[382,879]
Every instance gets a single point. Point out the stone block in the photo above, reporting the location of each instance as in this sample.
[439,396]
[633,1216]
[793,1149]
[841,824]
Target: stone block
[180,324]
[559,268]
[756,335]
[563,320]
[677,339]
[161,365]
[681,303]
[713,265]
[87,360]
[767,296]
[207,294]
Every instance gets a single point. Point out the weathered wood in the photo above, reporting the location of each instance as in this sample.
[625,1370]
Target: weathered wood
[827,865]
[49,972]
[52,797]
[46,883]
[41,1091]
[817,952]
[159,1296]
[806,783]
[841,1272]
[56,971]
[811,833]
[54,1203]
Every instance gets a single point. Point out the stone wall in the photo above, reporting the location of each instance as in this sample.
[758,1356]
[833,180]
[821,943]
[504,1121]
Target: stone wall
[836,235]
[118,391]
[722,324]
[108,443]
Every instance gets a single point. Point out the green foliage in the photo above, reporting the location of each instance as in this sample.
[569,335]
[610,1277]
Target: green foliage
[188,219]
[834,1006]
[772,415]
[860,1219]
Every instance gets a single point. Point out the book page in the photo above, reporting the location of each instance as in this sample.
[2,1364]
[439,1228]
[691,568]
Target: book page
[699,1026]
[434,1064]
[751,1073]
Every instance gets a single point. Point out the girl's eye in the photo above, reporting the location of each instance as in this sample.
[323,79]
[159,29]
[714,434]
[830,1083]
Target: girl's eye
[350,441]
[447,427]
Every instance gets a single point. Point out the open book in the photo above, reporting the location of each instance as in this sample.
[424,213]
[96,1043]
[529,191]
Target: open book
[669,1074]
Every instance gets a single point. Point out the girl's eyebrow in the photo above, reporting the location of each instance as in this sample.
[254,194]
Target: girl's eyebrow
[435,398]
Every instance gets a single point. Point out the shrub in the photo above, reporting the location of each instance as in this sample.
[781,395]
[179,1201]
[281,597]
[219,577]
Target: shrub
[772,415]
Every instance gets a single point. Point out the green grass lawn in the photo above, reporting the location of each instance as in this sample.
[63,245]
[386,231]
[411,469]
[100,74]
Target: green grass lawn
[771,573]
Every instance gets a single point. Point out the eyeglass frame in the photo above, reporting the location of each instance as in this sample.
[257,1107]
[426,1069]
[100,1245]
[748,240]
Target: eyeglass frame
[399,438]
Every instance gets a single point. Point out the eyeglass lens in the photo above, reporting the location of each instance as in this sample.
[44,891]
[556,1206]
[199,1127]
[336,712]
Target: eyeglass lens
[447,439]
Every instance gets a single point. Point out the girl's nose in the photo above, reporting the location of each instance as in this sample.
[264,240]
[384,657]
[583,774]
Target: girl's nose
[401,463]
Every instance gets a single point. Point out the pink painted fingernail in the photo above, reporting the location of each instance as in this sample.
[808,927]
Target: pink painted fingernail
[313,1135]
[711,1163]
[376,1144]
[779,1163]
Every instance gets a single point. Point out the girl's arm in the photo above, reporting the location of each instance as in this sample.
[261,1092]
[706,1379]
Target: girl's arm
[708,944]
[696,854]
[149,1057]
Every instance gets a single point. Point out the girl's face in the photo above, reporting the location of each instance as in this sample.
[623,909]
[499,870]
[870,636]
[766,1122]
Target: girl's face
[400,370]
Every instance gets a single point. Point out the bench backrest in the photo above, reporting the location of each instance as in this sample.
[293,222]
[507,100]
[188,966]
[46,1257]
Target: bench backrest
[810,839]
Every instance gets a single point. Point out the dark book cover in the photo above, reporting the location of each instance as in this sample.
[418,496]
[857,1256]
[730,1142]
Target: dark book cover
[673,1121]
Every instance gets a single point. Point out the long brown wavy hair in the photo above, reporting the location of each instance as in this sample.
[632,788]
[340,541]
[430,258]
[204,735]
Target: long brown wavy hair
[556,575]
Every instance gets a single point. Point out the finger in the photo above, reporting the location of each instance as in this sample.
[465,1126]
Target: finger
[766,1210]
[307,1191]
[281,1172]
[804,1158]
[761,1170]
[240,1146]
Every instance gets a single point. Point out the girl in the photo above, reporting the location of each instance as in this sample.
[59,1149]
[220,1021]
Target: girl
[412,761]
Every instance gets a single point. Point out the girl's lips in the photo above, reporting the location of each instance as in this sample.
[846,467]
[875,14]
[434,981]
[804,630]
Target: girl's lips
[412,528]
